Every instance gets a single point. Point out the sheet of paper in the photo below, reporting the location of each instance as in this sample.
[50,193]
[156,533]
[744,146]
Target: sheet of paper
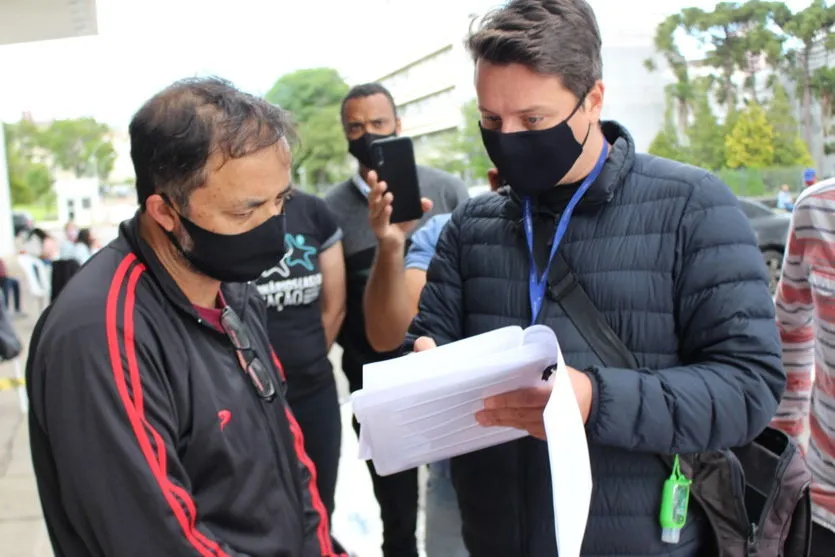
[568,452]
[428,412]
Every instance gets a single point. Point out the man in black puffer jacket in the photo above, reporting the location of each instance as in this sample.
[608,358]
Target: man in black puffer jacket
[663,251]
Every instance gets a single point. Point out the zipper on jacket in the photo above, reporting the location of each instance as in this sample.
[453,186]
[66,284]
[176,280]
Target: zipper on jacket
[738,488]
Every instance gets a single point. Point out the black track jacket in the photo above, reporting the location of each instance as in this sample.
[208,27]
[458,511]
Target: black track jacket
[147,438]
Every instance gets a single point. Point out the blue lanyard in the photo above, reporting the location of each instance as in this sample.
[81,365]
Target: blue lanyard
[536,282]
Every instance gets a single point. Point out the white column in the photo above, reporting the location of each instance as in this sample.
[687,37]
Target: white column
[7,246]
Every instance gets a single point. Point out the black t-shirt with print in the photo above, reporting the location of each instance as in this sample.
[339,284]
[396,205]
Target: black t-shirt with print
[292,290]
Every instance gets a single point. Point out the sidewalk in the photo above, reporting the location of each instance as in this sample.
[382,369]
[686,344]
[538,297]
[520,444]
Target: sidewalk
[22,529]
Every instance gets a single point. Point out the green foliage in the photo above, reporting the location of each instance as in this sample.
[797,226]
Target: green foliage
[751,141]
[80,146]
[706,136]
[822,85]
[789,148]
[314,96]
[30,181]
[462,152]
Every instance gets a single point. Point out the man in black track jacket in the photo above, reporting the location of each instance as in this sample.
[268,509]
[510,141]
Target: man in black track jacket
[158,422]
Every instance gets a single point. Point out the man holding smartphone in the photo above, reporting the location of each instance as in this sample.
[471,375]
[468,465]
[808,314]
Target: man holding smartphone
[368,114]
[391,302]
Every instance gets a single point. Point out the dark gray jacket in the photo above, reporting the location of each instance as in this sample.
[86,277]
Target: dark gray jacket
[666,254]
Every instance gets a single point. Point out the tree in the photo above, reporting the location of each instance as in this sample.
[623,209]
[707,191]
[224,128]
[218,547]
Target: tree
[808,28]
[760,45]
[462,152]
[81,146]
[666,143]
[314,96]
[789,148]
[822,86]
[706,135]
[30,180]
[751,141]
[682,89]
[717,30]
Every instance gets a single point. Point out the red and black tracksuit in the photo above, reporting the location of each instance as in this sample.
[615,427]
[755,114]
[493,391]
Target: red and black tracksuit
[147,437]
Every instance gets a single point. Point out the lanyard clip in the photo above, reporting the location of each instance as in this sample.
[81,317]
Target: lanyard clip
[560,290]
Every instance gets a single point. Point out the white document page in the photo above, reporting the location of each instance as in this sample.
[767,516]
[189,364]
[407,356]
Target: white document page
[568,452]
[421,408]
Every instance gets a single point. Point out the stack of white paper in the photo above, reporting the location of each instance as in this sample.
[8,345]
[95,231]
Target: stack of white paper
[420,408]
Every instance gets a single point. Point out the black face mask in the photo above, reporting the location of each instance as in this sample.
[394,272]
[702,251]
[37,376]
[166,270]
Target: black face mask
[360,147]
[234,257]
[533,162]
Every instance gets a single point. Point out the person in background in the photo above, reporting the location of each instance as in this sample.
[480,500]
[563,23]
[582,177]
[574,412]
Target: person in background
[305,296]
[368,113]
[805,304]
[158,422]
[42,245]
[11,288]
[84,247]
[67,248]
[810,177]
[391,302]
[661,249]
[785,200]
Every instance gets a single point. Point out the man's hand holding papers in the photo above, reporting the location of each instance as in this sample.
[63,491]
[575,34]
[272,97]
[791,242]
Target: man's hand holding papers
[523,408]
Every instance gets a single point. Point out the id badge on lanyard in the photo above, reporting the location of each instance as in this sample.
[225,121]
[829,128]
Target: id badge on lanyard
[537,283]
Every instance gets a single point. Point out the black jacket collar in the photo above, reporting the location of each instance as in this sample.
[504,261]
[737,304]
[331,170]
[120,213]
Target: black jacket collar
[615,170]
[235,294]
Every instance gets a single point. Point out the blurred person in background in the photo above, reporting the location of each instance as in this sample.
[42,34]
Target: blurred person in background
[11,289]
[785,199]
[305,296]
[369,113]
[67,247]
[85,246]
[810,177]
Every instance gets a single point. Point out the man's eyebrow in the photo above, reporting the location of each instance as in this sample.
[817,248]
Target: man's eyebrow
[250,203]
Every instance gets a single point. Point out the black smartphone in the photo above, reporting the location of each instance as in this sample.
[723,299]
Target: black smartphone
[394,162]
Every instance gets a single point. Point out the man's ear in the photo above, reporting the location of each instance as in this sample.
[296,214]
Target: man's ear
[397,126]
[594,102]
[494,179]
[161,212]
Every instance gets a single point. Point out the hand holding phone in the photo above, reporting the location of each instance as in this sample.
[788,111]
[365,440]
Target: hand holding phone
[393,159]
[380,207]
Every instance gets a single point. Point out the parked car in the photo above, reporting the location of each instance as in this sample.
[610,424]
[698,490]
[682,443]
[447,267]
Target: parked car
[772,228]
[22,222]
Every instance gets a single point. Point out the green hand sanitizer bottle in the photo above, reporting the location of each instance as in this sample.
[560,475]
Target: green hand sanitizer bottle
[674,500]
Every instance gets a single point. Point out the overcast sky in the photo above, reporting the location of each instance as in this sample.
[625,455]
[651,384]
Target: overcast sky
[145,44]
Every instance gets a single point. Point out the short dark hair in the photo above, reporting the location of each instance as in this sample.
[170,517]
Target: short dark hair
[174,133]
[84,237]
[366,90]
[557,37]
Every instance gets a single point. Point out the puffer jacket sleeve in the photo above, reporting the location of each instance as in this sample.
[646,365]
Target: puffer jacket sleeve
[441,302]
[732,380]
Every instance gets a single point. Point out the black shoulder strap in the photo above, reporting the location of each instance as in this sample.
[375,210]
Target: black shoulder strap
[565,289]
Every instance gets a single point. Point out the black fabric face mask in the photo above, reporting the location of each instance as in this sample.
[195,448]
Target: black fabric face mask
[533,162]
[234,257]
[360,147]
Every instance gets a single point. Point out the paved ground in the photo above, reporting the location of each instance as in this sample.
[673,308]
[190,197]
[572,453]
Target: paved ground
[22,532]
